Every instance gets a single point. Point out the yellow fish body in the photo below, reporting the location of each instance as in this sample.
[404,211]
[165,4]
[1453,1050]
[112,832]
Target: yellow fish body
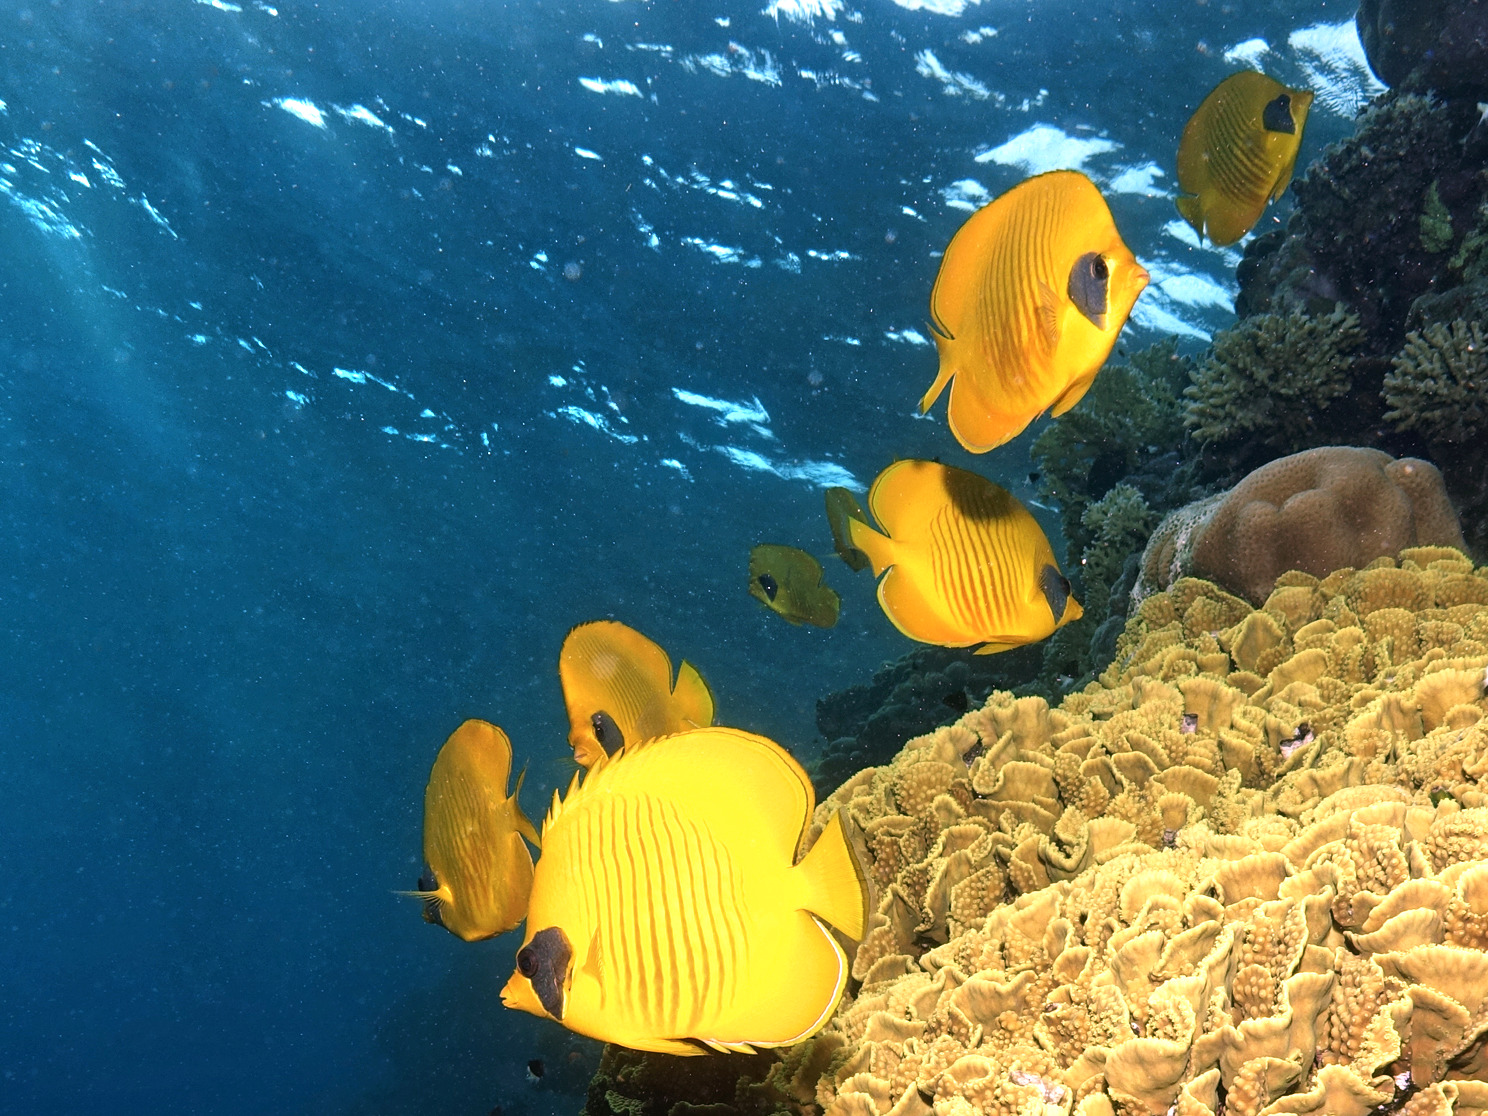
[966,562]
[669,911]
[617,685]
[1032,291]
[787,580]
[480,872]
[1238,153]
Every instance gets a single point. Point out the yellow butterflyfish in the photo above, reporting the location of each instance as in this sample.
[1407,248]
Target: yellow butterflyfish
[1238,153]
[617,685]
[479,871]
[961,561]
[788,581]
[1032,292]
[669,912]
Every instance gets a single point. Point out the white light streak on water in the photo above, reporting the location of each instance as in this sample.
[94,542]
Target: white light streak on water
[952,84]
[1045,148]
[301,108]
[1332,57]
[1249,53]
[618,85]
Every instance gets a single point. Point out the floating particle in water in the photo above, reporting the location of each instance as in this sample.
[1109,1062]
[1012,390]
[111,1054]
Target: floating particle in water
[573,271]
[814,378]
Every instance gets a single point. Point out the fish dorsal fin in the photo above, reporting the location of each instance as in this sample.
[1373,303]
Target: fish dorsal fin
[555,811]
[1046,313]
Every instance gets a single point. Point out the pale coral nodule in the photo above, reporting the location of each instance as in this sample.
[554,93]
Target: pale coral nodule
[1251,862]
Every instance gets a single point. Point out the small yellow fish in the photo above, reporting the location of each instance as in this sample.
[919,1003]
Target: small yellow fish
[1238,152]
[480,872]
[789,581]
[1031,294]
[669,909]
[966,562]
[842,506]
[617,685]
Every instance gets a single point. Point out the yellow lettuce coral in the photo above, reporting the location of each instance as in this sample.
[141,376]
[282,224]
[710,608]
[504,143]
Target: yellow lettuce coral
[1250,862]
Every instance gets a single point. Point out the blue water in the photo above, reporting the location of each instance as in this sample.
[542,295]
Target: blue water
[352,352]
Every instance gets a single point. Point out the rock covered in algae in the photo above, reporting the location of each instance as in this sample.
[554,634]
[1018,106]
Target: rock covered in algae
[1440,45]
[1251,863]
[1316,511]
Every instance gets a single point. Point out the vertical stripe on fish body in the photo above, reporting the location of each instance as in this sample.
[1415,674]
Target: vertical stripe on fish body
[668,883]
[962,561]
[1030,297]
[1238,152]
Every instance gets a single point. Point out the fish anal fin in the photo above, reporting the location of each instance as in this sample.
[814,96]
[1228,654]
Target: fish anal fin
[1191,208]
[1046,313]
[942,377]
[834,881]
[1072,395]
[995,648]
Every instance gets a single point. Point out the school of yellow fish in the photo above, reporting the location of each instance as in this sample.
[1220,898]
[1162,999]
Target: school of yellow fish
[671,908]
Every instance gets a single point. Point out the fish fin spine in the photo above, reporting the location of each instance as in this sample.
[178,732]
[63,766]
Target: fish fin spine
[523,822]
[836,889]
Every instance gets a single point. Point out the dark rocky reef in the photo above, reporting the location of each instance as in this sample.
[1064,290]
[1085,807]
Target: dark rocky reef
[1427,44]
[867,724]
[635,1083]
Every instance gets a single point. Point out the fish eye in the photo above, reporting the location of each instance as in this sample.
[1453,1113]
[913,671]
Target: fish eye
[1277,115]
[607,732]
[527,962]
[769,585]
[1089,287]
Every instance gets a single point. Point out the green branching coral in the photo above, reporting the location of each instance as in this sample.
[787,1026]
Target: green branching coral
[1131,415]
[1471,257]
[1436,222]
[1119,523]
[1270,376]
[1437,383]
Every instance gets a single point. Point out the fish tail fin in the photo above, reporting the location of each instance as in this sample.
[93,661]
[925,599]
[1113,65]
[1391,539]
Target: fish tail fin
[836,889]
[878,547]
[1191,207]
[694,699]
[842,509]
[523,822]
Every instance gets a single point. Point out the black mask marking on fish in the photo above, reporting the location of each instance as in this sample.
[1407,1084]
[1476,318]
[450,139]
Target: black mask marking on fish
[769,585]
[535,1069]
[607,732]
[1056,589]
[1089,287]
[1277,115]
[544,961]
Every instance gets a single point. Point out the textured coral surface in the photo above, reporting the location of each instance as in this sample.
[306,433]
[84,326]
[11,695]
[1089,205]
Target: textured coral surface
[1316,511]
[1245,872]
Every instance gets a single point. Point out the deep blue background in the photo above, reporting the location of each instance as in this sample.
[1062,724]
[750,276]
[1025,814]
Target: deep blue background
[239,616]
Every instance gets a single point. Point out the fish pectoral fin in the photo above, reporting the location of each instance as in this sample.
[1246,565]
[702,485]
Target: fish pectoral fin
[1047,314]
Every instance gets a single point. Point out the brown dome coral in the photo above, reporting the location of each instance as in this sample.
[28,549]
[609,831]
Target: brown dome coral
[1315,511]
[1251,863]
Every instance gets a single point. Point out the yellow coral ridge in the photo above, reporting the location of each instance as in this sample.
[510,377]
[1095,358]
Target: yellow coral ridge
[1251,862]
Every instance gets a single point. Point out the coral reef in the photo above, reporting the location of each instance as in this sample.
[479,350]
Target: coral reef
[1438,381]
[931,686]
[1315,511]
[1269,380]
[1427,44]
[1251,863]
